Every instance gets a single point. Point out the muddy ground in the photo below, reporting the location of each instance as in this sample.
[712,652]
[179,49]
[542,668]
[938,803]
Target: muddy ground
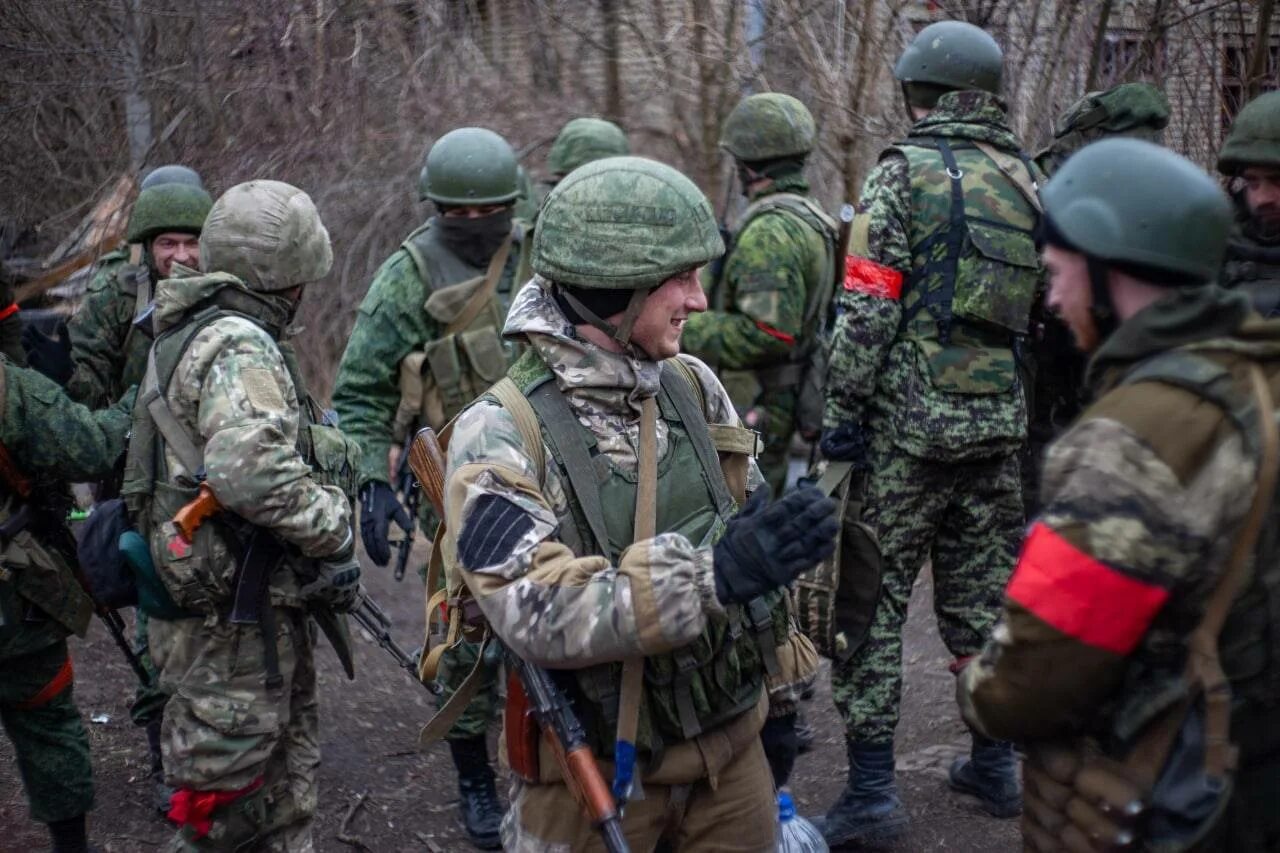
[369,731]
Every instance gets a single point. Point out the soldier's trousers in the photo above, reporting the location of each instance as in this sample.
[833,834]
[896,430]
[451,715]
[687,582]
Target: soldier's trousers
[225,731]
[148,701]
[967,518]
[42,721]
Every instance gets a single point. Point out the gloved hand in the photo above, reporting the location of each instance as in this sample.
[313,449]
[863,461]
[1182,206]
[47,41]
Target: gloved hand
[336,585]
[767,544]
[781,746]
[378,507]
[845,443]
[50,356]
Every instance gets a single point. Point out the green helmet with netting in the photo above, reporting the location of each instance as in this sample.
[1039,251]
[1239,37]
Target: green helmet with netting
[621,224]
[583,140]
[768,126]
[1130,109]
[268,234]
[162,208]
[469,166]
[174,173]
[1131,202]
[951,55]
[1254,139]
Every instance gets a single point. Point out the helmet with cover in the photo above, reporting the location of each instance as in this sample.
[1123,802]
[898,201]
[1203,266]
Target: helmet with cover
[268,234]
[469,166]
[768,126]
[162,208]
[1139,110]
[583,140]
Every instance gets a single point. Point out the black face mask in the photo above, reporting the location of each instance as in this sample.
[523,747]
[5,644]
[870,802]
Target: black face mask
[475,240]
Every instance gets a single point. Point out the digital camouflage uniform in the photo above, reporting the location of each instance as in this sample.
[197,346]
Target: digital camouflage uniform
[1252,264]
[50,440]
[243,754]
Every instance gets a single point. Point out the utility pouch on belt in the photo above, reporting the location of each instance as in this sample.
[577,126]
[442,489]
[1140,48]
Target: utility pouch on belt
[1171,788]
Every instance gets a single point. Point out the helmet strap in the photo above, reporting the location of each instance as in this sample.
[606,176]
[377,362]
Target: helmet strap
[621,332]
[1103,310]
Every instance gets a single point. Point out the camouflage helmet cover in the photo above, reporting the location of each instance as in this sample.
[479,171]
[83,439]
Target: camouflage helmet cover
[469,166]
[1132,109]
[954,54]
[268,234]
[768,126]
[1131,201]
[583,140]
[167,207]
[1254,139]
[624,223]
[174,173]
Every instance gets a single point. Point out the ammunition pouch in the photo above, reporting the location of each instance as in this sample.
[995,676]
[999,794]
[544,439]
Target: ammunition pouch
[41,576]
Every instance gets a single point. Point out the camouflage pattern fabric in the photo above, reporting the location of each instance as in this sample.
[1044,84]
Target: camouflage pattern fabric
[1142,498]
[50,741]
[768,275]
[1139,110]
[966,518]
[108,359]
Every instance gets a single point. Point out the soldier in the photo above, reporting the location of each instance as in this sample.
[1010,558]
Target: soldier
[1144,498]
[1139,110]
[581,141]
[923,392]
[1251,157]
[776,280]
[223,407]
[46,441]
[426,343]
[576,571]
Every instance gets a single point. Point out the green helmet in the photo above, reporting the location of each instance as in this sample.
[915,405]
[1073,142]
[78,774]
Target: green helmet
[1131,109]
[167,207]
[583,140]
[174,173]
[1254,139]
[768,126]
[470,165]
[1133,202]
[268,234]
[952,54]
[624,223]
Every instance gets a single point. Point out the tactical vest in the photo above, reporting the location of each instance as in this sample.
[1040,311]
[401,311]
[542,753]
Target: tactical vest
[974,266]
[720,675]
[1249,645]
[134,278]
[1255,271]
[198,581]
[468,355]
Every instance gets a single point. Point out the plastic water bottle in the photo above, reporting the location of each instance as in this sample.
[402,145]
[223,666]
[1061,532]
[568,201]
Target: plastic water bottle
[795,834]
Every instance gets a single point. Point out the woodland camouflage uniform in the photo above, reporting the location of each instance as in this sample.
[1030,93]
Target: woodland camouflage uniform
[1252,264]
[49,441]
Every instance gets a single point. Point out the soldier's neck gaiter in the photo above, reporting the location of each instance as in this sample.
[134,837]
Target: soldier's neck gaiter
[475,240]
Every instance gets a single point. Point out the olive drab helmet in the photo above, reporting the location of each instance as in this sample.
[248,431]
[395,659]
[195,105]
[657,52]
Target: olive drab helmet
[768,126]
[623,223]
[1133,202]
[268,234]
[954,55]
[583,140]
[165,207]
[174,173]
[1139,110]
[1254,139]
[469,165]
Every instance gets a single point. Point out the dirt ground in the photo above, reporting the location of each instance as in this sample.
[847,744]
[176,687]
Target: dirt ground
[369,731]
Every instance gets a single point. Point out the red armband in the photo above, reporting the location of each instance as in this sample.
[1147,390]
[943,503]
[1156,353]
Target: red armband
[871,279]
[6,313]
[193,808]
[789,340]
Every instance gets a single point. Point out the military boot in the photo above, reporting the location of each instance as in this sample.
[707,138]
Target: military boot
[868,811]
[990,774]
[70,836]
[477,794]
[160,792]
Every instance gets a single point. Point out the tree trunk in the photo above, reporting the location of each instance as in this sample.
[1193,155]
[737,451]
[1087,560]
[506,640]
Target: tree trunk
[1099,42]
[1257,73]
[614,109]
[137,109]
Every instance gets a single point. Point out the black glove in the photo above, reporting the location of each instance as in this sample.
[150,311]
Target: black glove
[336,585]
[378,506]
[767,544]
[50,356]
[781,746]
[845,443]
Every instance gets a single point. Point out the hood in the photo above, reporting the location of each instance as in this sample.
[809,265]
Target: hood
[614,382]
[970,114]
[176,297]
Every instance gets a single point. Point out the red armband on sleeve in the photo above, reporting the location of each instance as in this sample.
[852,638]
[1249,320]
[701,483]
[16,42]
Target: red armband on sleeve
[871,279]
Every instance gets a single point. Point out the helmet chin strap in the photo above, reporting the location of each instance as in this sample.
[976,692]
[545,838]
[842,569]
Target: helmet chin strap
[1103,310]
[621,332]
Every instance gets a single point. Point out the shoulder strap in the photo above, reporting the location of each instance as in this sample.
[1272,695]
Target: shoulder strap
[801,206]
[517,405]
[410,245]
[679,384]
[1022,178]
[483,295]
[1205,378]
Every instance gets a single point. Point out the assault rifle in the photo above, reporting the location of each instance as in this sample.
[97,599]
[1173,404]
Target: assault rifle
[407,486]
[547,704]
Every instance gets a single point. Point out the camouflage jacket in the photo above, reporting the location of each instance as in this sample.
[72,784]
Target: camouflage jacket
[771,268]
[391,324]
[109,356]
[951,393]
[233,393]
[1253,267]
[1142,499]
[51,441]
